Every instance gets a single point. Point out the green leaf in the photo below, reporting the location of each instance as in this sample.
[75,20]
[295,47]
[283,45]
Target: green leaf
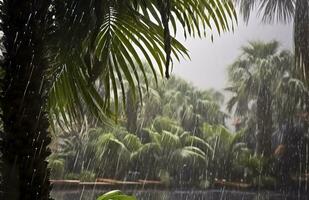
[115,195]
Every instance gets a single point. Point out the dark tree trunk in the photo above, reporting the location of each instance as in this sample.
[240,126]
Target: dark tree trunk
[301,38]
[25,122]
[131,112]
[264,121]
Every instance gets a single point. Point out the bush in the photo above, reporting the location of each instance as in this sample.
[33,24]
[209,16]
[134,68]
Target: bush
[71,176]
[87,176]
[56,168]
[265,182]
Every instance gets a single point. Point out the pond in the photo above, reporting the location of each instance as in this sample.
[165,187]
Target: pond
[181,195]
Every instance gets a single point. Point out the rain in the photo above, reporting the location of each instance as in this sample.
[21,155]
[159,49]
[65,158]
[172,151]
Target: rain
[154,100]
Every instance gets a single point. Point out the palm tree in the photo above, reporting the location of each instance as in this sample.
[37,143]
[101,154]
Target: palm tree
[178,100]
[108,146]
[228,150]
[254,77]
[85,42]
[191,106]
[285,11]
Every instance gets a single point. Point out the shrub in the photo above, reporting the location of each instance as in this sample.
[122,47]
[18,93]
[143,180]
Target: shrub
[87,176]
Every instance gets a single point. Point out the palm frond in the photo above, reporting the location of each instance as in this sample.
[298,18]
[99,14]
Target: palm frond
[270,10]
[246,7]
[132,142]
[277,10]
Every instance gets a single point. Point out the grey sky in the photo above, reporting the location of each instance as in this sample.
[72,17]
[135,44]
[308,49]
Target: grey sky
[207,67]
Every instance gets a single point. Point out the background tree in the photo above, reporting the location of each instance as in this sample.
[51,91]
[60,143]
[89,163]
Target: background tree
[255,77]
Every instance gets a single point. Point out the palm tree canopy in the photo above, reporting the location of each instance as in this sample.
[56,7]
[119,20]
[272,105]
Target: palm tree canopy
[258,64]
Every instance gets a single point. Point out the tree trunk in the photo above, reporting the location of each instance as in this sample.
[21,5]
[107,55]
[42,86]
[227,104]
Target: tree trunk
[131,112]
[264,122]
[301,38]
[25,122]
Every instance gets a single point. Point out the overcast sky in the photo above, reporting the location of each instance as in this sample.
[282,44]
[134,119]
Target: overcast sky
[207,68]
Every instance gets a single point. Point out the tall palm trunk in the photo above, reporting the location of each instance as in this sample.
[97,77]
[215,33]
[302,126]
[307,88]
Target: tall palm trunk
[25,123]
[301,39]
[264,121]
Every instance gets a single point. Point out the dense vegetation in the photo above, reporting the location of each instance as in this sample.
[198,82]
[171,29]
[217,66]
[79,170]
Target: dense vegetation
[55,51]
[67,62]
[271,106]
[181,135]
[171,125]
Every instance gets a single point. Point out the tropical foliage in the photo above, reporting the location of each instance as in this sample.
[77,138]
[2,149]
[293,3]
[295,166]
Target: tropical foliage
[180,124]
[89,72]
[56,52]
[121,35]
[257,77]
[269,103]
[195,145]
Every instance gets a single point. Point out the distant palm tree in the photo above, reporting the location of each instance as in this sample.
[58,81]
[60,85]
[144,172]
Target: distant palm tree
[255,77]
[285,11]
[190,106]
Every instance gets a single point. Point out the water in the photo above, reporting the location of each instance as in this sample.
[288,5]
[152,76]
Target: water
[180,195]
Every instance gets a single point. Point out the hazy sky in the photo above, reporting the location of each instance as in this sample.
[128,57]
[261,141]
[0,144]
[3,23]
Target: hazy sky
[209,61]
